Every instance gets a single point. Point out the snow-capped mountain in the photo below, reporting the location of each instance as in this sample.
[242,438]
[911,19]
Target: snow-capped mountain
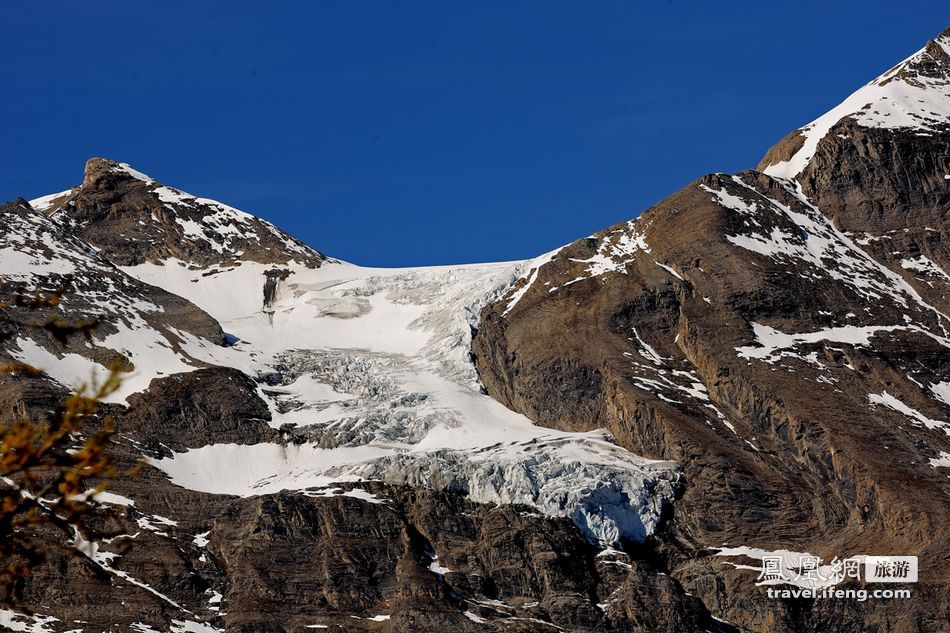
[368,370]
[608,437]
[356,374]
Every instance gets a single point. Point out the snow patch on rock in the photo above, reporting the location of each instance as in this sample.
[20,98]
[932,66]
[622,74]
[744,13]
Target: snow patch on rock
[887,400]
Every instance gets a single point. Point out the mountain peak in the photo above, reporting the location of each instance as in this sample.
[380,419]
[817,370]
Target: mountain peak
[135,219]
[930,62]
[913,95]
[99,168]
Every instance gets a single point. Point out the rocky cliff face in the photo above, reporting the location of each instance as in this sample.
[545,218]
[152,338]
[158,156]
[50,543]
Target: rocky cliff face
[758,364]
[782,335]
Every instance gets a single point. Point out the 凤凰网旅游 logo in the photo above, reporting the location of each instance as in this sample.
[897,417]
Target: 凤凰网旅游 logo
[790,574]
[787,568]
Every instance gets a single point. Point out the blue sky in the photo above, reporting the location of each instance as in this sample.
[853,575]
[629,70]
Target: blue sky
[398,133]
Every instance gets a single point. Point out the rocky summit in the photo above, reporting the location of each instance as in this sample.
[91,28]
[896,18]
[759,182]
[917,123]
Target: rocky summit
[614,436]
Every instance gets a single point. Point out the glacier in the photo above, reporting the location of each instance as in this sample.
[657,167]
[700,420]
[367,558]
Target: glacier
[371,368]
